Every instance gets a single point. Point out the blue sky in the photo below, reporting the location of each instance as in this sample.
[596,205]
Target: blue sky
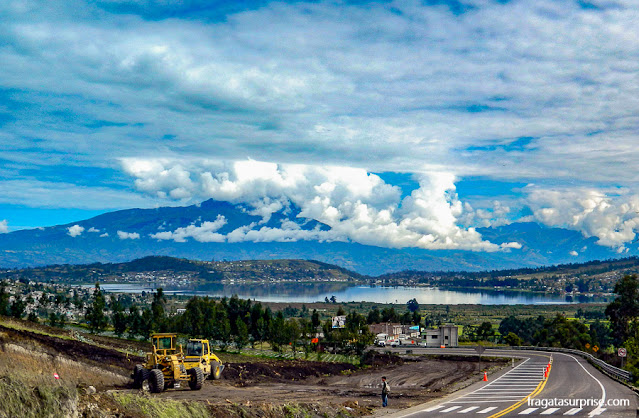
[398,123]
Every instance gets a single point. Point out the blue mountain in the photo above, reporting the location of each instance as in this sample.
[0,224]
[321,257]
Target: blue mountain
[99,242]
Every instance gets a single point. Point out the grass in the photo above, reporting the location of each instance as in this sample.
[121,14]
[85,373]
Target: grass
[160,407]
[52,399]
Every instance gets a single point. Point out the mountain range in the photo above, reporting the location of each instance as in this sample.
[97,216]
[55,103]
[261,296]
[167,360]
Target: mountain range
[193,231]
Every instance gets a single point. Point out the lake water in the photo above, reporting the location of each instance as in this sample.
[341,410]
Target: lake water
[317,292]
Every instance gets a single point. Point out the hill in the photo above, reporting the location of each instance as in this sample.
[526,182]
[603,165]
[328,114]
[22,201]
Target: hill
[210,272]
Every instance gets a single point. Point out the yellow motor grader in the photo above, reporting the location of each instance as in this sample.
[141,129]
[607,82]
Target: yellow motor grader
[199,354]
[165,367]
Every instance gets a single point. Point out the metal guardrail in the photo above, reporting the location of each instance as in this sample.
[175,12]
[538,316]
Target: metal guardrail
[612,371]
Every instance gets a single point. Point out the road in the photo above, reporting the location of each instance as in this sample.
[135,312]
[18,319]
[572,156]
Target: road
[522,390]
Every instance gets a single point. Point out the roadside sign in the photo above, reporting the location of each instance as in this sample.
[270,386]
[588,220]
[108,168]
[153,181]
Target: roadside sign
[56,376]
[480,349]
[622,352]
[587,346]
[595,349]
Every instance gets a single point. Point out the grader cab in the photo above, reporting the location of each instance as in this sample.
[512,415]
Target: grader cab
[198,352]
[165,367]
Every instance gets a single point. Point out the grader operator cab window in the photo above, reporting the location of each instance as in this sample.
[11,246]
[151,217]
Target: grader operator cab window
[194,348]
[164,345]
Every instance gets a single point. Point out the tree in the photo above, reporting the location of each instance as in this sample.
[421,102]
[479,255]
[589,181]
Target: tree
[118,317]
[33,317]
[242,337]
[95,316]
[412,305]
[315,319]
[485,331]
[4,302]
[158,318]
[292,332]
[624,310]
[513,340]
[600,334]
[374,317]
[17,308]
[278,336]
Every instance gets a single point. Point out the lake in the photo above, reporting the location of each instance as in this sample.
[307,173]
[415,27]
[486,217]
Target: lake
[317,292]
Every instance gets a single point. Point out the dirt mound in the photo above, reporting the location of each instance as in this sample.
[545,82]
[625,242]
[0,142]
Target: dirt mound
[378,359]
[244,374]
[112,360]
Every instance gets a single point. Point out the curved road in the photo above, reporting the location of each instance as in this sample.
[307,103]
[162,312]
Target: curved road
[573,388]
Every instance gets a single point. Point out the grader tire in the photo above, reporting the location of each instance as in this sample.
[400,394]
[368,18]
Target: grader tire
[216,370]
[156,381]
[197,378]
[137,376]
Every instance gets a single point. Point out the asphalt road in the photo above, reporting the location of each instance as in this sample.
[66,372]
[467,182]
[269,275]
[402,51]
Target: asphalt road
[573,388]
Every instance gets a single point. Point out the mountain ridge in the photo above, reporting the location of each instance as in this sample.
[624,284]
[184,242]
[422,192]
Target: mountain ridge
[126,235]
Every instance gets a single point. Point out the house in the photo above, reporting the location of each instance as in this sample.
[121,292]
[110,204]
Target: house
[393,331]
[446,335]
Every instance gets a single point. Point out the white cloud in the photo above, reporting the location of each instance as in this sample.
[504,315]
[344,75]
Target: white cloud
[4,226]
[574,253]
[128,235]
[357,205]
[387,88]
[203,233]
[92,229]
[106,234]
[610,215]
[75,230]
[406,88]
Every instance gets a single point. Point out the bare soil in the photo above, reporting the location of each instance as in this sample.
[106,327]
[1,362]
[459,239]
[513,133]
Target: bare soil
[413,381]
[254,386]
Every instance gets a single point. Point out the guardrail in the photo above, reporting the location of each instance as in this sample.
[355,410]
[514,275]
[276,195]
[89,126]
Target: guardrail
[612,371]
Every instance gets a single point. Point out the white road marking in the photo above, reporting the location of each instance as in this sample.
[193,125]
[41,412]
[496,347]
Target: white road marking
[549,411]
[518,398]
[487,410]
[452,408]
[433,408]
[467,410]
[528,411]
[602,401]
[573,411]
[596,411]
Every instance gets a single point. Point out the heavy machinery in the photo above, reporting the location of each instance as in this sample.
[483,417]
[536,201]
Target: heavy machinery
[199,352]
[165,367]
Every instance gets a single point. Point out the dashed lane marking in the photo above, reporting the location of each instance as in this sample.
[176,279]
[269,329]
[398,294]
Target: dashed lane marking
[487,410]
[573,411]
[528,411]
[549,411]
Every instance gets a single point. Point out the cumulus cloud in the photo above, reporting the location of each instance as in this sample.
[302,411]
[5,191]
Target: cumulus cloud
[574,253]
[610,215]
[205,232]
[128,235]
[75,230]
[355,204]
[4,226]
[106,234]
[92,229]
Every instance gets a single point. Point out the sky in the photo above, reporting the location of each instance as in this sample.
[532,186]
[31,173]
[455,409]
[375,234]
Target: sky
[396,123]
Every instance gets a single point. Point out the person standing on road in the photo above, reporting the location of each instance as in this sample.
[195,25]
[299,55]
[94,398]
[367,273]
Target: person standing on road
[385,390]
